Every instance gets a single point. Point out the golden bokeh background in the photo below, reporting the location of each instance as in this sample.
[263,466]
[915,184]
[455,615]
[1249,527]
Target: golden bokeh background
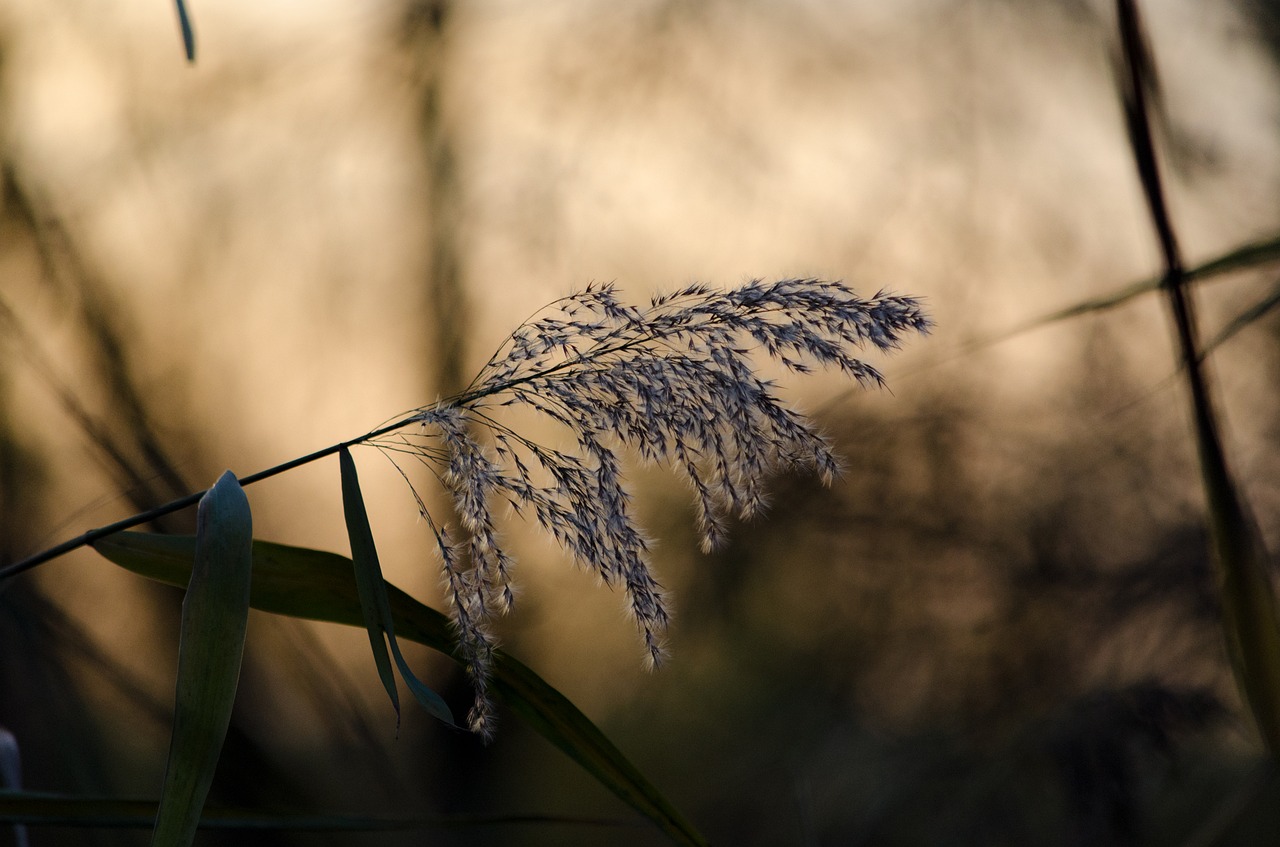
[340,210]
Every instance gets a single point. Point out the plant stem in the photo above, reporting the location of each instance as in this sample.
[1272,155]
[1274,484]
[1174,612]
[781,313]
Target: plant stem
[1250,619]
[183,503]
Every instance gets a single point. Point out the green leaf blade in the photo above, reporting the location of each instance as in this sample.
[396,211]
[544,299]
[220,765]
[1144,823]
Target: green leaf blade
[215,617]
[316,585]
[426,697]
[368,573]
[373,597]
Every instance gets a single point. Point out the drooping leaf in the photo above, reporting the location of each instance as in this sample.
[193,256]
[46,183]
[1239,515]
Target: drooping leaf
[315,585]
[373,593]
[368,574]
[215,615]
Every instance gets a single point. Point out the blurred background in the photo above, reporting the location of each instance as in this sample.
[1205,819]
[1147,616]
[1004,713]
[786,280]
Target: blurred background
[999,627]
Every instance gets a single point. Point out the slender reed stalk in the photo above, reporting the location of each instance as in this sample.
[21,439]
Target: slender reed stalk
[1249,615]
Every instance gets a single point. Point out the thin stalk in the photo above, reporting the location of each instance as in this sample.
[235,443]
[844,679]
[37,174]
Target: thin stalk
[469,396]
[184,503]
[1249,614]
[189,500]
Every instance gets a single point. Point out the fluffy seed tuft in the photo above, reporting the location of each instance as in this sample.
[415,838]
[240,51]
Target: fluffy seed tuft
[673,382]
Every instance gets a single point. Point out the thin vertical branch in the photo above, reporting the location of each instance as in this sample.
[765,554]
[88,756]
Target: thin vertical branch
[1249,615]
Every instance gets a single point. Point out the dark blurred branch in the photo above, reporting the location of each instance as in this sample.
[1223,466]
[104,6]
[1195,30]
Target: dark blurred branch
[427,28]
[65,270]
[1248,602]
[11,325]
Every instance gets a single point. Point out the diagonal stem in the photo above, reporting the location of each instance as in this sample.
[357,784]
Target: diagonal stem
[185,502]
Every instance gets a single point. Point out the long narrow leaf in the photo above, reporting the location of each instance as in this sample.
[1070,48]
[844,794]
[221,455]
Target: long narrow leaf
[372,588]
[315,585]
[368,574]
[215,615]
[1241,258]
[1244,257]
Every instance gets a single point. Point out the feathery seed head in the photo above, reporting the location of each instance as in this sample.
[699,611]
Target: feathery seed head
[672,381]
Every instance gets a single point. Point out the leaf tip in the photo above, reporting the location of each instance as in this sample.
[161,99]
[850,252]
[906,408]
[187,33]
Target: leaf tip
[188,32]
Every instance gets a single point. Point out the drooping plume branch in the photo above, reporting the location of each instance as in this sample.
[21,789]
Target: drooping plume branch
[672,381]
